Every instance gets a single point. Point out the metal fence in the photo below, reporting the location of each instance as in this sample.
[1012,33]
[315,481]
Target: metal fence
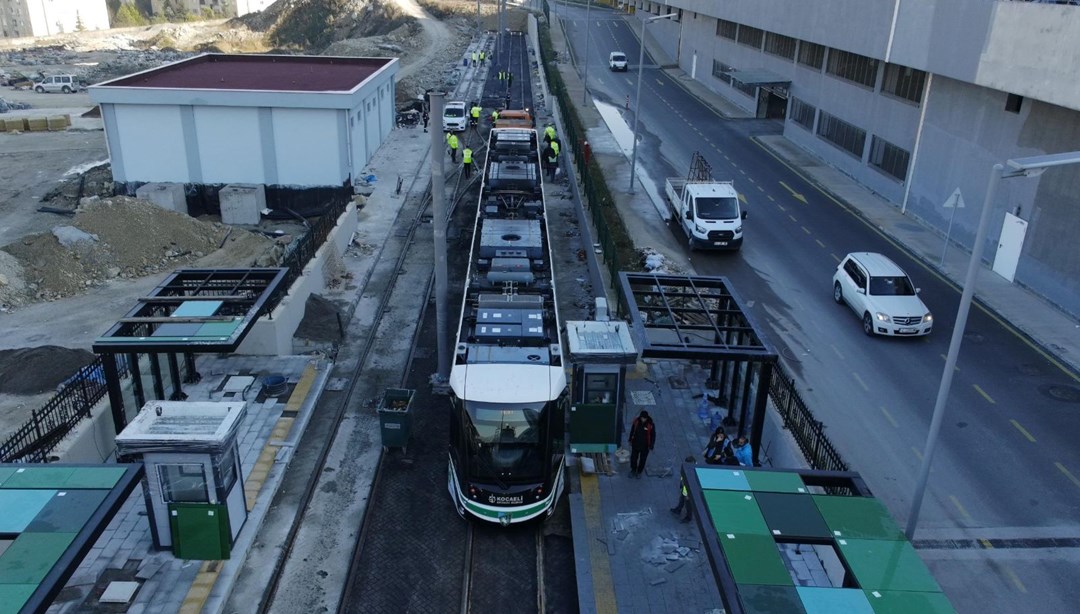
[302,250]
[33,441]
[809,433]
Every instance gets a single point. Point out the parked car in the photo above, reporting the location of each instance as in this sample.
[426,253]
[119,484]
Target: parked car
[66,84]
[617,61]
[881,293]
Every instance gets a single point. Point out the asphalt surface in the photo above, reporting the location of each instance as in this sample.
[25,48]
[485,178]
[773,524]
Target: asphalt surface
[876,395]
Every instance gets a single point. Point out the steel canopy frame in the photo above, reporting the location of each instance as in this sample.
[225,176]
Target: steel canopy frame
[702,318]
[192,311]
[691,318]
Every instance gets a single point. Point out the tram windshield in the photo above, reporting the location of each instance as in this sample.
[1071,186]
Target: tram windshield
[506,440]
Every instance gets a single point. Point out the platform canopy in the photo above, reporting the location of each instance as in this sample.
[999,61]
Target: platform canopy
[195,310]
[691,317]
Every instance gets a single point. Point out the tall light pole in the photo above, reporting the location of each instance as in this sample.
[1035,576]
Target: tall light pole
[585,78]
[1022,167]
[637,100]
[438,219]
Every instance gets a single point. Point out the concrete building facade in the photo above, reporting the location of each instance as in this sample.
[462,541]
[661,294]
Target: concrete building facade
[228,8]
[286,122]
[26,18]
[915,100]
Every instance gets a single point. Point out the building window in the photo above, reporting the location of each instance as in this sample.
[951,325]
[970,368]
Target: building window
[850,138]
[811,54]
[904,82]
[749,90]
[721,71]
[802,113]
[183,483]
[889,158]
[853,67]
[1013,102]
[726,29]
[778,44]
[751,37]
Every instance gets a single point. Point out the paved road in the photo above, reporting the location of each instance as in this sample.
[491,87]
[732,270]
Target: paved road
[1007,433]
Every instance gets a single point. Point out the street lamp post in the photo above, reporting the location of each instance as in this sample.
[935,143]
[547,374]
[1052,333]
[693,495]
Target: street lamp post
[1022,167]
[637,100]
[585,78]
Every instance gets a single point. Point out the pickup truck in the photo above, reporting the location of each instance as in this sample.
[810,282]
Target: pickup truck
[708,211]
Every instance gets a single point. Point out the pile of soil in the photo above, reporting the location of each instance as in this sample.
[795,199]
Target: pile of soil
[312,25]
[97,181]
[322,321]
[126,238]
[29,371]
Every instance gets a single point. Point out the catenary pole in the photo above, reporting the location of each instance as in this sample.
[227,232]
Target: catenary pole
[438,214]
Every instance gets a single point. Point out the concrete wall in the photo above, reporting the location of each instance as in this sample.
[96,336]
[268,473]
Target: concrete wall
[273,335]
[37,18]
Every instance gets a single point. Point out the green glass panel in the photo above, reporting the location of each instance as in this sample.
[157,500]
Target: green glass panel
[903,602]
[13,596]
[95,477]
[68,511]
[759,599]
[217,329]
[42,476]
[880,564]
[775,481]
[734,512]
[31,557]
[857,518]
[819,600]
[19,507]
[754,559]
[792,515]
[195,309]
[722,479]
[5,473]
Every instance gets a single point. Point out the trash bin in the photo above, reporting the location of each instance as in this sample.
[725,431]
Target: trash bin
[395,418]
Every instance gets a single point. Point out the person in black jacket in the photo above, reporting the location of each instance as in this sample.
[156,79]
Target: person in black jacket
[642,439]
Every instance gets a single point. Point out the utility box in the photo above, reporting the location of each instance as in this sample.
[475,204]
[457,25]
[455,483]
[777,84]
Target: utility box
[193,486]
[242,203]
[165,195]
[599,353]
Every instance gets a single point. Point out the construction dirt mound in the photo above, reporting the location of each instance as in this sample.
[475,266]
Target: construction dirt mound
[125,238]
[312,25]
[28,371]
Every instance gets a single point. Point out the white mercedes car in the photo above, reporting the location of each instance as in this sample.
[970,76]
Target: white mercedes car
[881,293]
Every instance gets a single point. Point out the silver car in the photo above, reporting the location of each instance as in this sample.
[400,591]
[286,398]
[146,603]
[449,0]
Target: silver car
[66,84]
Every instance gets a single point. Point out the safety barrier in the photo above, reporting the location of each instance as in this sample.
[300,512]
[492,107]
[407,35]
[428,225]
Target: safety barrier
[34,440]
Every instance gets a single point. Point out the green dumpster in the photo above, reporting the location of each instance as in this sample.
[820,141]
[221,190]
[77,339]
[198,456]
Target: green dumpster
[395,418]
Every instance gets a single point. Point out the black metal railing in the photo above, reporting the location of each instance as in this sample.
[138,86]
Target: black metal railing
[34,440]
[809,432]
[302,250]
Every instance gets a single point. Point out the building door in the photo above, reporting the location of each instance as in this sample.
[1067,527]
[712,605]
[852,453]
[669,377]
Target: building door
[1010,244]
[770,105]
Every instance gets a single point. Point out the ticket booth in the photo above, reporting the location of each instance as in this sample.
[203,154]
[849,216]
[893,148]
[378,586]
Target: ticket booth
[193,486]
[599,352]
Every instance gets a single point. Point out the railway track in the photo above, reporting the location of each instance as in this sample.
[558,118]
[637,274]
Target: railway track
[504,570]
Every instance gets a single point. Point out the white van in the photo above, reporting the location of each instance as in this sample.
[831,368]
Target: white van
[617,61]
[455,118]
[57,83]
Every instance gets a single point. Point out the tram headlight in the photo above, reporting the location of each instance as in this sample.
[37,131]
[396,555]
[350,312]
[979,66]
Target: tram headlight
[473,492]
[539,491]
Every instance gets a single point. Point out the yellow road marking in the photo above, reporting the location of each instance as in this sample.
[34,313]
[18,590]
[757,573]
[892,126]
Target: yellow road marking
[770,198]
[822,245]
[834,349]
[963,511]
[742,198]
[917,453]
[984,395]
[986,544]
[944,357]
[1016,580]
[760,189]
[792,218]
[793,192]
[835,257]
[859,379]
[659,81]
[751,179]
[889,417]
[1068,474]
[1023,431]
[742,171]
[806,230]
